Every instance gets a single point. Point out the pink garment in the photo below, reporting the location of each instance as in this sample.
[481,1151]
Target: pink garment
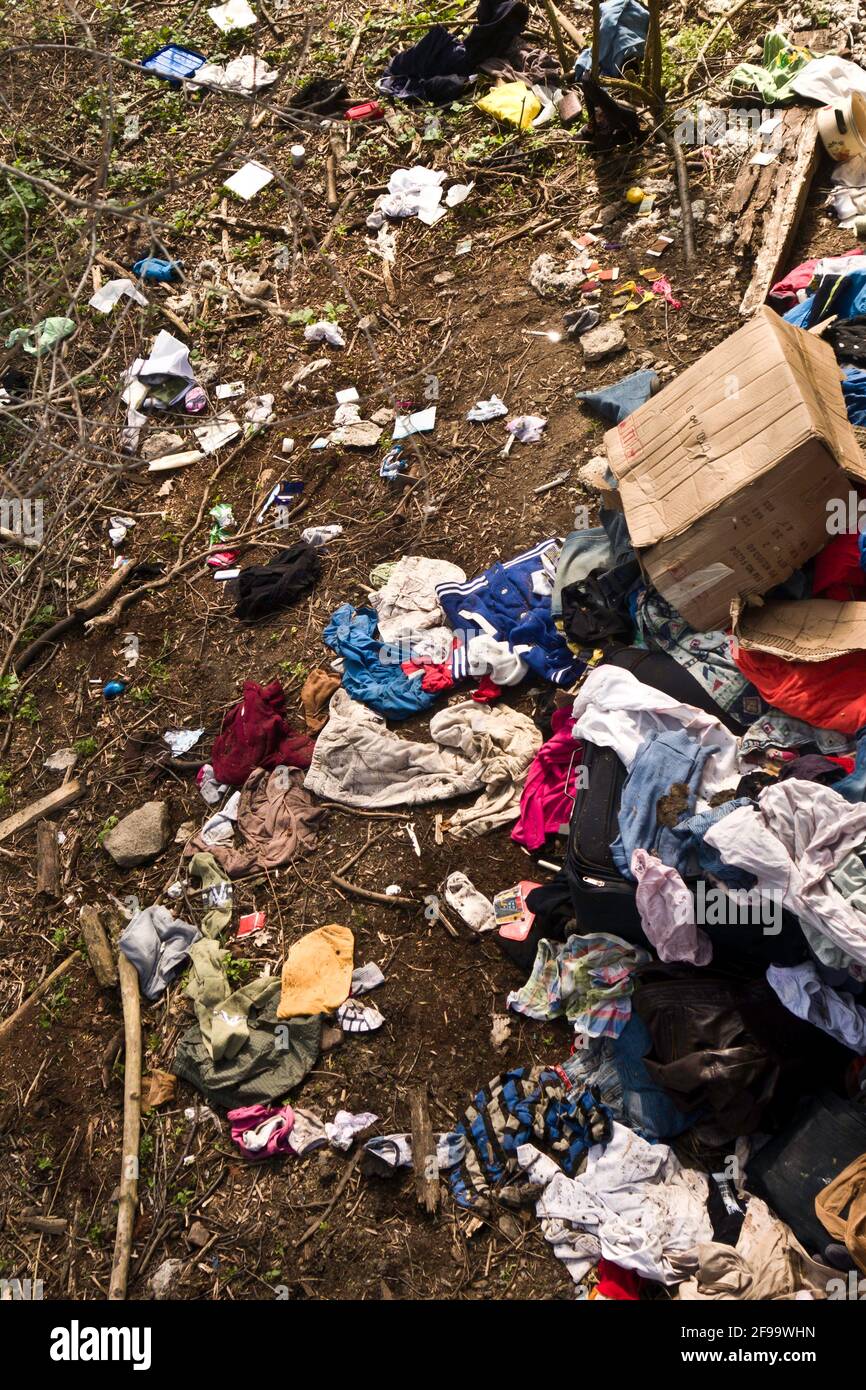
[667,912]
[548,796]
[261,1131]
[783,295]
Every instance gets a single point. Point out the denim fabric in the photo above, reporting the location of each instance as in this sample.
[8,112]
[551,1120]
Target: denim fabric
[582,553]
[690,834]
[372,671]
[853,787]
[664,758]
[622,37]
[616,402]
[616,1067]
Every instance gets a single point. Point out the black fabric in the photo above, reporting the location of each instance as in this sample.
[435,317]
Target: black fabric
[595,610]
[609,122]
[823,1137]
[321,94]
[848,340]
[438,67]
[14,383]
[265,589]
[753,783]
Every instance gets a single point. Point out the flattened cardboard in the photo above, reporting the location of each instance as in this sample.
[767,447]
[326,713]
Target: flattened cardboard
[813,629]
[725,474]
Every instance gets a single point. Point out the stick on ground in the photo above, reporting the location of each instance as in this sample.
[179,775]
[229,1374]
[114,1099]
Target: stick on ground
[131,1128]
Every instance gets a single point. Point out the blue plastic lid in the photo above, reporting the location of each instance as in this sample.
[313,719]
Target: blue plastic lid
[173,62]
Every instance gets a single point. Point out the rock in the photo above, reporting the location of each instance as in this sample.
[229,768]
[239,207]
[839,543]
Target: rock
[163,1281]
[331,1038]
[603,341]
[369,324]
[554,280]
[198,1235]
[140,836]
[326,1166]
[509,1227]
[162,442]
[361,434]
[383,417]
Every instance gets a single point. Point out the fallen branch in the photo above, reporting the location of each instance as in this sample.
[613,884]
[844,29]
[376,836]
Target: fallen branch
[9,1025]
[682,174]
[316,1222]
[424,1152]
[391,900]
[81,613]
[128,1202]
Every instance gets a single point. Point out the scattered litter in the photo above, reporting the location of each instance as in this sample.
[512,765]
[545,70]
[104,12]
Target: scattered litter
[243,75]
[234,14]
[181,740]
[104,299]
[43,336]
[324,332]
[527,429]
[482,411]
[249,180]
[419,422]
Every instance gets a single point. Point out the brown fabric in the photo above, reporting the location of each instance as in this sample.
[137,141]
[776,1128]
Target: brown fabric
[848,1189]
[726,1048]
[315,694]
[162,1086]
[317,975]
[768,1263]
[277,821]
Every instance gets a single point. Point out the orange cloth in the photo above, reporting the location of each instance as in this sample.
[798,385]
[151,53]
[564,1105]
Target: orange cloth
[317,975]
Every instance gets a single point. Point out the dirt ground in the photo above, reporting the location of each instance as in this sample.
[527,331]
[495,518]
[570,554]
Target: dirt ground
[461,318]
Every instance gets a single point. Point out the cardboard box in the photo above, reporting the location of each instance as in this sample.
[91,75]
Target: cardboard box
[726,473]
[812,629]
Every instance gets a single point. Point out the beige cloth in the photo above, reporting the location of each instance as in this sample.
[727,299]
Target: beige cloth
[767,1263]
[317,975]
[277,820]
[359,761]
[847,1191]
[315,694]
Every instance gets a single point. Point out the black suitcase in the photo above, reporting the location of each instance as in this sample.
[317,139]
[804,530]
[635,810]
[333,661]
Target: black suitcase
[603,900]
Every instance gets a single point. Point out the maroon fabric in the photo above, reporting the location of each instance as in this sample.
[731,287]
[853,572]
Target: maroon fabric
[255,734]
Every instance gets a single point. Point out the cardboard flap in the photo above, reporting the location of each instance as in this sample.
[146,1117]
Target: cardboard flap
[812,629]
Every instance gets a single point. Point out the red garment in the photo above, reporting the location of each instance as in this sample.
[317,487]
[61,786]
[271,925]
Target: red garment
[435,677]
[486,691]
[255,734]
[828,694]
[616,1282]
[783,295]
[848,763]
[838,574]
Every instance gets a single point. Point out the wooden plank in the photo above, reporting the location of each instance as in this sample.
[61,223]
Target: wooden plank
[99,951]
[47,861]
[54,801]
[424,1152]
[779,227]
